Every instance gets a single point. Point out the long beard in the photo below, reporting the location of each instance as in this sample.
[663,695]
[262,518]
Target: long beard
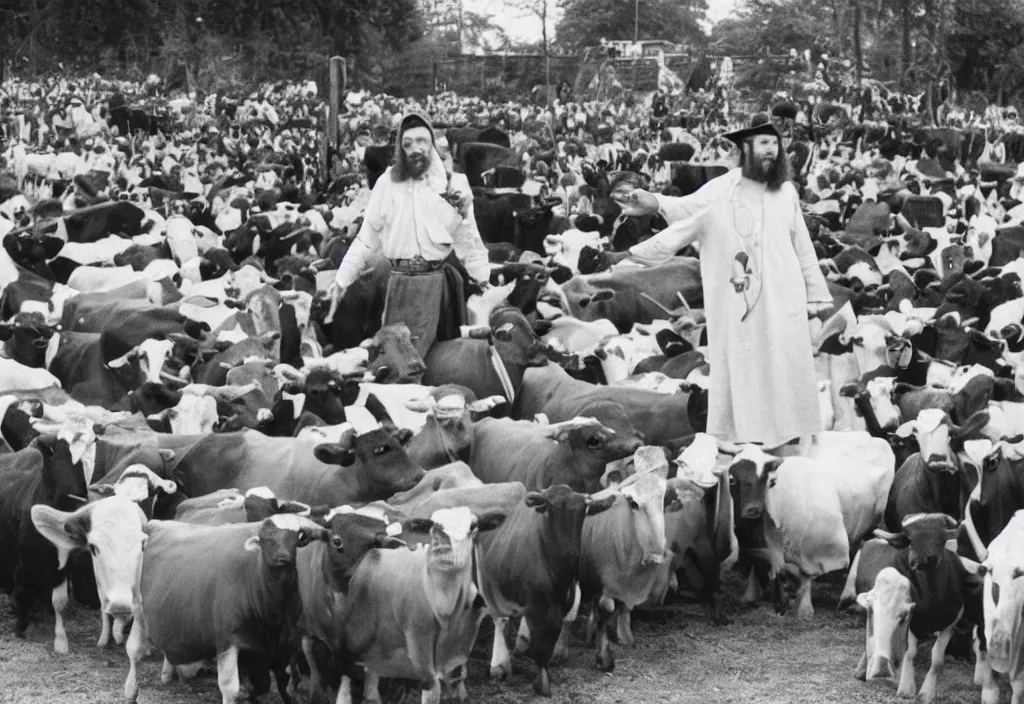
[417,165]
[760,170]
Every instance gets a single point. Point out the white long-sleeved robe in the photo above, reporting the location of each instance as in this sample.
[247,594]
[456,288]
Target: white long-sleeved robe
[762,382]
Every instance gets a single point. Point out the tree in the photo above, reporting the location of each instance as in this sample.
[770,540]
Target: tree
[585,22]
[542,10]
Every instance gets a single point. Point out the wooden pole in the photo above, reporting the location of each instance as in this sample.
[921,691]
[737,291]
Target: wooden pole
[337,88]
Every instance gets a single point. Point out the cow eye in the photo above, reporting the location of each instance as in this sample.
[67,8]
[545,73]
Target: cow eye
[380,450]
[595,441]
[337,543]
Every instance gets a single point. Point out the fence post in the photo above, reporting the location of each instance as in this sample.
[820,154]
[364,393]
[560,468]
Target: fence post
[336,85]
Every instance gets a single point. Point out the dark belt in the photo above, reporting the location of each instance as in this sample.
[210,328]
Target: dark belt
[416,265]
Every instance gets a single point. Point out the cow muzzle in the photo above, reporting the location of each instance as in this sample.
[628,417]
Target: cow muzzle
[752,511]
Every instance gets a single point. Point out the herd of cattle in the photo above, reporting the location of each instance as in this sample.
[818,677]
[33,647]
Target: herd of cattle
[230,480]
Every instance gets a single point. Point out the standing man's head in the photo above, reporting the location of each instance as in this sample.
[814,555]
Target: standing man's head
[414,148]
[761,156]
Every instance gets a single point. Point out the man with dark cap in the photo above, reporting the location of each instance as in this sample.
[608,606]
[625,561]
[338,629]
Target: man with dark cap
[419,215]
[761,283]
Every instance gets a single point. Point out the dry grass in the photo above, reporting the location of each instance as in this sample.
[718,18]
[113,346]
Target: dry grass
[760,658]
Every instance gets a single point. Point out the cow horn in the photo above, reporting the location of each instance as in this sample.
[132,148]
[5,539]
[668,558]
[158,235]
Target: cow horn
[289,372]
[171,380]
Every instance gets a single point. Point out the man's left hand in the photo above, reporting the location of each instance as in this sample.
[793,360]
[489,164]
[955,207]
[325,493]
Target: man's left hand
[465,200]
[818,309]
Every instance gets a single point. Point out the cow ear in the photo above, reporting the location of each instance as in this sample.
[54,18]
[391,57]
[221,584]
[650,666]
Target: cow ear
[603,295]
[490,521]
[897,540]
[60,528]
[832,345]
[850,390]
[906,430]
[596,507]
[252,544]
[866,600]
[542,327]
[504,332]
[334,453]
[387,542]
[6,332]
[402,435]
[537,500]
[972,428]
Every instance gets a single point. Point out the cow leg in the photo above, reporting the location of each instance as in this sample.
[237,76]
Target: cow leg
[927,693]
[1017,686]
[104,640]
[431,695]
[227,675]
[135,648]
[849,595]
[625,627]
[752,594]
[119,627]
[561,651]
[24,599]
[371,688]
[501,658]
[59,597]
[166,672]
[344,691]
[605,613]
[545,627]
[907,686]
[522,638]
[861,671]
[317,695]
[805,610]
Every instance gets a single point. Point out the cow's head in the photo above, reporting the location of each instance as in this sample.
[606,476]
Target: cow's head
[889,605]
[750,471]
[880,394]
[592,446]
[27,337]
[392,356]
[452,534]
[450,409]
[514,338]
[152,398]
[939,438]
[149,355]
[138,483]
[113,531]
[354,532]
[193,415]
[385,467]
[646,500]
[1003,599]
[925,534]
[281,535]
[564,510]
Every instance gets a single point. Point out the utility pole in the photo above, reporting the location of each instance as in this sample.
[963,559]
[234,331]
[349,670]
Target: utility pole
[636,21]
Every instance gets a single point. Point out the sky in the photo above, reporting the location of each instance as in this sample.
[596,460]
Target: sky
[527,28]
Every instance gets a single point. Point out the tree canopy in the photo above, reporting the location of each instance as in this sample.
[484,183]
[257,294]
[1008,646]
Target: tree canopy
[584,22]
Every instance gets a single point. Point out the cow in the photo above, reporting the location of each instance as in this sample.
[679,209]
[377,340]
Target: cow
[112,529]
[325,572]
[659,418]
[788,515]
[358,469]
[1002,604]
[447,434]
[237,597]
[41,474]
[621,554]
[508,450]
[488,367]
[478,158]
[528,568]
[996,498]
[415,614]
[922,579]
[936,479]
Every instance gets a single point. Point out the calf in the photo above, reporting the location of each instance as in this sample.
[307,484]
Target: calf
[1003,604]
[789,519]
[237,596]
[41,474]
[925,581]
[112,530]
[528,568]
[415,614]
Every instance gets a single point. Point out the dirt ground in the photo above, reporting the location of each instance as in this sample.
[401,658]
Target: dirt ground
[761,658]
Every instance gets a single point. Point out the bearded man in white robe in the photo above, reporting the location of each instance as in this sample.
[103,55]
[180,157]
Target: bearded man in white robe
[761,283]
